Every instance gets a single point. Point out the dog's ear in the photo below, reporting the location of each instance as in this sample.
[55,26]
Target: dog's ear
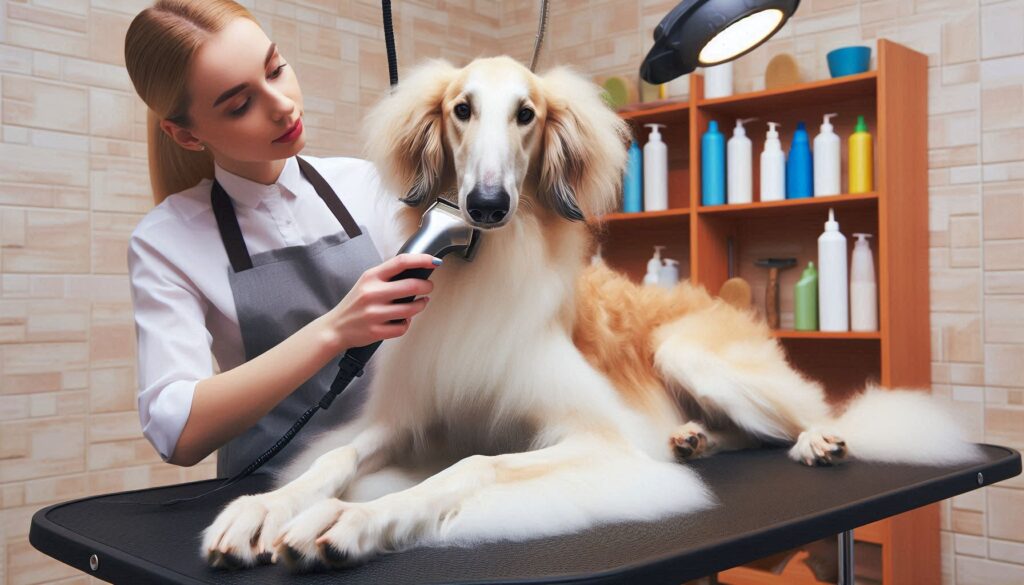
[584,147]
[403,133]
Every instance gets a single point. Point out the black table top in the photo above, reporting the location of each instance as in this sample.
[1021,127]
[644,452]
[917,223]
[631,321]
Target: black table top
[767,504]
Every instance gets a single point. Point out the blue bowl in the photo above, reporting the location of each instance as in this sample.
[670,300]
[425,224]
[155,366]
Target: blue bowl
[849,61]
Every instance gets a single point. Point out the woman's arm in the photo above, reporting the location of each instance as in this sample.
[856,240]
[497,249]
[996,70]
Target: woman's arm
[228,403]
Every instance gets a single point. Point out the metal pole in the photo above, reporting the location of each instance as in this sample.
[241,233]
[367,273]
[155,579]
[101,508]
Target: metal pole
[846,557]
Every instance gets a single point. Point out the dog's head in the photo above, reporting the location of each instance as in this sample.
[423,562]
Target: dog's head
[499,138]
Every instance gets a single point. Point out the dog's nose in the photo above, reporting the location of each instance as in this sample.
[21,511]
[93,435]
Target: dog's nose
[487,204]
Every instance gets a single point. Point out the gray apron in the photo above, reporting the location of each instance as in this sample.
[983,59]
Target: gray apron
[278,292]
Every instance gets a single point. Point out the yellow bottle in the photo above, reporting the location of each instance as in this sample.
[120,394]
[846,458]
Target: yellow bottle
[861,159]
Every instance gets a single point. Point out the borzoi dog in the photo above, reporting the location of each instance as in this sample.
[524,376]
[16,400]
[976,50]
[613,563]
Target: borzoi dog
[539,394]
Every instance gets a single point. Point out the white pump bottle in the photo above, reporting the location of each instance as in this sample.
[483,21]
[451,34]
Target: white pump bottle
[826,159]
[654,267]
[738,165]
[773,166]
[833,299]
[863,289]
[655,171]
[668,276]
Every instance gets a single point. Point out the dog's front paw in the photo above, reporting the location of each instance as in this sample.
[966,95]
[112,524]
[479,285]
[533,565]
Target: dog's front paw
[818,448]
[242,534]
[297,545]
[366,529]
[688,441]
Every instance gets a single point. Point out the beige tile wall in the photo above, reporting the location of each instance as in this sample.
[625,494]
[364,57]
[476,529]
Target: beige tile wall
[73,184]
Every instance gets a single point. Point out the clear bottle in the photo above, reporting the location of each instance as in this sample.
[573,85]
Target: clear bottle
[863,288]
[826,159]
[739,166]
[833,289]
[655,171]
[773,166]
[654,267]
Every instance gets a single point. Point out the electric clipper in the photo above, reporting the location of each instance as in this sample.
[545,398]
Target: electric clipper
[442,231]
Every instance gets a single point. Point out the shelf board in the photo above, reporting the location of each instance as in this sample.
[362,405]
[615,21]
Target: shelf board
[666,218]
[787,206]
[795,97]
[661,111]
[791,334]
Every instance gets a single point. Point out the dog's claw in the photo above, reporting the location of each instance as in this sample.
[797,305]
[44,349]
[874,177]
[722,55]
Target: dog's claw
[814,448]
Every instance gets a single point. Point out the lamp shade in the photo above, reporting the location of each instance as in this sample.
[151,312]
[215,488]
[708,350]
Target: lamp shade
[701,33]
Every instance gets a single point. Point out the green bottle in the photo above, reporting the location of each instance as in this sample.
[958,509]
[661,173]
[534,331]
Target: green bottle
[805,300]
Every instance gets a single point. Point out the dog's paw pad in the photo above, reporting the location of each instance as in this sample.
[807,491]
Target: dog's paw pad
[688,441]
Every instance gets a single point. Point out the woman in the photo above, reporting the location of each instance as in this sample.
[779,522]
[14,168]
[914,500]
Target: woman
[249,249]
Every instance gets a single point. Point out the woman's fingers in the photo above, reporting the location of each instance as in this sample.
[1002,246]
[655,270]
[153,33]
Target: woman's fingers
[402,262]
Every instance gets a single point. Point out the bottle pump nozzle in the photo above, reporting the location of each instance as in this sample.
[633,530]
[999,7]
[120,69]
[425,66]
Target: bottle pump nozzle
[740,130]
[655,133]
[773,129]
[826,123]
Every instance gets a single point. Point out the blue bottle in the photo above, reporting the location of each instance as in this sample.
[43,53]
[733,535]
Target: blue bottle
[633,183]
[800,166]
[712,166]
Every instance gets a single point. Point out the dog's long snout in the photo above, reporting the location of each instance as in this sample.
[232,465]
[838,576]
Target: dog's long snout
[488,204]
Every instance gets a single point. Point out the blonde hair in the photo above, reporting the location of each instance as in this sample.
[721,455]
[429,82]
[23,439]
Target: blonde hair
[158,50]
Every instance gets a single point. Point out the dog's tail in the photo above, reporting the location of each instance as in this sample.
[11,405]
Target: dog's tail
[903,426]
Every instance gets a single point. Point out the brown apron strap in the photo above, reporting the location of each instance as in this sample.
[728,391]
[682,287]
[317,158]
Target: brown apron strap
[330,198]
[231,233]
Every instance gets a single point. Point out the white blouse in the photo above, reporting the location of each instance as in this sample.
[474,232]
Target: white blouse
[184,309]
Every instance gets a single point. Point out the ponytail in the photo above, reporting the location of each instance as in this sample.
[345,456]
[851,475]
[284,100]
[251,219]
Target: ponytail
[171,167]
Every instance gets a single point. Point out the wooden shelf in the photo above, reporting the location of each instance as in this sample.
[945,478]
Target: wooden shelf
[815,93]
[667,217]
[789,206]
[660,112]
[894,102]
[791,334]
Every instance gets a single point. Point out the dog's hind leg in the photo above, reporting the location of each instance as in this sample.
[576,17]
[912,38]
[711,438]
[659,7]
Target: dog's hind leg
[694,439]
[243,533]
[561,488]
[731,366]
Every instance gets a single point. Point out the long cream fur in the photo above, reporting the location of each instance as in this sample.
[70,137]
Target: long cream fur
[537,394]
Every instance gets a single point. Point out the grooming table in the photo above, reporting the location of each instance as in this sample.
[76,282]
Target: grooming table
[767,504]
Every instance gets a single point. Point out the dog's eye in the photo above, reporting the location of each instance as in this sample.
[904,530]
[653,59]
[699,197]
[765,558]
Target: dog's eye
[525,116]
[462,111]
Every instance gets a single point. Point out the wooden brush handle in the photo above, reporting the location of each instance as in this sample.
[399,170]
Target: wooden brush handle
[771,298]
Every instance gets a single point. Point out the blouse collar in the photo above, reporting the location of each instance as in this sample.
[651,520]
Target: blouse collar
[250,193]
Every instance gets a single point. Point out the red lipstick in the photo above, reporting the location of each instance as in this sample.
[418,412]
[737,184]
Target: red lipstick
[292,134]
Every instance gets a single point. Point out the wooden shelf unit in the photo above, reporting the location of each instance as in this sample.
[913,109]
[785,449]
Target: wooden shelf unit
[894,102]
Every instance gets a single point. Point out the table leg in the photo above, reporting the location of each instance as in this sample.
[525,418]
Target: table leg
[846,557]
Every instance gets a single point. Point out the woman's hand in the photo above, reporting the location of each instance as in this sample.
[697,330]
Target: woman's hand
[363,316]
